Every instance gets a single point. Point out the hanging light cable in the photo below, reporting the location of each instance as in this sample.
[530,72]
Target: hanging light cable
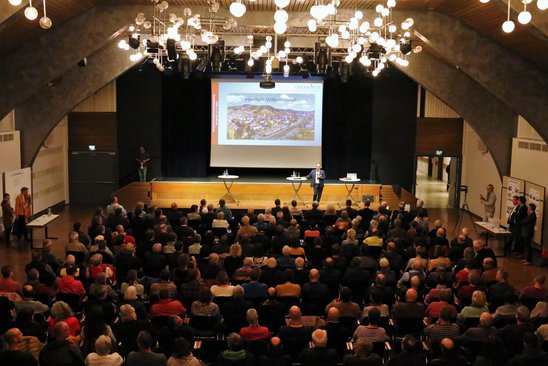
[45,22]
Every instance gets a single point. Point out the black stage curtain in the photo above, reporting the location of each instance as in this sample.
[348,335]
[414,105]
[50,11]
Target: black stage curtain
[139,113]
[346,135]
[186,126]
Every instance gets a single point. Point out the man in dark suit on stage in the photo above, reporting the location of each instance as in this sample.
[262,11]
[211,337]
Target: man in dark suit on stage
[317,175]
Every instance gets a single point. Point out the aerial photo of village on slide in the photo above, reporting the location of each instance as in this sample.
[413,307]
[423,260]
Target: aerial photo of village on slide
[288,117]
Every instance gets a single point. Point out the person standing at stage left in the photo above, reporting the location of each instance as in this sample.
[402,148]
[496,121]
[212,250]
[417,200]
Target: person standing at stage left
[318,176]
[23,204]
[489,201]
[8,215]
[142,158]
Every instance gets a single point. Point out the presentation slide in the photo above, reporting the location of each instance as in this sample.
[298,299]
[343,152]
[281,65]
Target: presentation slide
[266,128]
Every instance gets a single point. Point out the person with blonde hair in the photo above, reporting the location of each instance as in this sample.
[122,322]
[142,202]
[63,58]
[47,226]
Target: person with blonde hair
[128,328]
[474,310]
[102,355]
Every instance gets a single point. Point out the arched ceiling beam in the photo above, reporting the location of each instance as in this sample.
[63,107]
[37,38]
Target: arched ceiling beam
[39,116]
[37,62]
[492,120]
[517,83]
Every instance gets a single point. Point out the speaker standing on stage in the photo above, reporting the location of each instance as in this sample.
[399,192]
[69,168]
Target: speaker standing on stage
[317,175]
[143,158]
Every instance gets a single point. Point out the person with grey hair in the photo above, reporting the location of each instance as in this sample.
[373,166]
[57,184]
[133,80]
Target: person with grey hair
[235,355]
[319,354]
[102,355]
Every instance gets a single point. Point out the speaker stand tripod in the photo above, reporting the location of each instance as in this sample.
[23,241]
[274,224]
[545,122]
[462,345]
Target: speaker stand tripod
[464,210]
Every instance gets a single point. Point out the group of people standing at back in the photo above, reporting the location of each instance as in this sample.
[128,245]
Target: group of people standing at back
[15,219]
[521,223]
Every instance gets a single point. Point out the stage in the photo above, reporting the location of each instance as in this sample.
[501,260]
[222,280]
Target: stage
[255,192]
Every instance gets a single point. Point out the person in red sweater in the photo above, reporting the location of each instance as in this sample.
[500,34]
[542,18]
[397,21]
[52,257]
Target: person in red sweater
[433,311]
[167,306]
[254,332]
[70,285]
[7,283]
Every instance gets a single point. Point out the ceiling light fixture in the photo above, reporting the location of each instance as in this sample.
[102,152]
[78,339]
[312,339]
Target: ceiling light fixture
[30,12]
[524,16]
[372,42]
[237,8]
[164,38]
[45,22]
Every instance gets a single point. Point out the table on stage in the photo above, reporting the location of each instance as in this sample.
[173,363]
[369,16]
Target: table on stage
[41,222]
[228,181]
[350,184]
[494,231]
[296,183]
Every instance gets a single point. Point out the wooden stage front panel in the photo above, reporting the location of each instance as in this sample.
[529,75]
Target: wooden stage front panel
[252,194]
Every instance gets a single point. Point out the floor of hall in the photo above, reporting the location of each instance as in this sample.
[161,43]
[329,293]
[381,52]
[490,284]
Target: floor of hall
[432,191]
[18,254]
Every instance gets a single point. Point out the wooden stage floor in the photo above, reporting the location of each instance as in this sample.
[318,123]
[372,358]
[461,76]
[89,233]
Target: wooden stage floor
[257,193]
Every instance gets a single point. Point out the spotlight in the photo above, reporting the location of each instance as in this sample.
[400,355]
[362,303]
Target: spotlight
[344,71]
[134,42]
[322,57]
[216,54]
[185,66]
[406,48]
[267,83]
[202,66]
[171,50]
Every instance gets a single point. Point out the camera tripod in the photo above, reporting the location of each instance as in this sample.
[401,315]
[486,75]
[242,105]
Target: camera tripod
[464,210]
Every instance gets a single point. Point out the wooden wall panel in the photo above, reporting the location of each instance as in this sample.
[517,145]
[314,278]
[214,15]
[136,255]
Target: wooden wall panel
[92,128]
[435,134]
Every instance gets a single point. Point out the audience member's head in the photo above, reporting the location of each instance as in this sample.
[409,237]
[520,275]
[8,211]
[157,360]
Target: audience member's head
[103,345]
[363,348]
[319,338]
[235,342]
[252,317]
[181,348]
[144,341]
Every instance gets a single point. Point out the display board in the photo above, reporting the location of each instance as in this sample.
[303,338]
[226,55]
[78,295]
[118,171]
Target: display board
[15,180]
[536,194]
[510,187]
